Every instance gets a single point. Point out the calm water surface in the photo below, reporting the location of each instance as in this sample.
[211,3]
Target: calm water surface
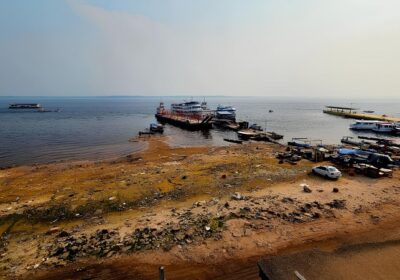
[100,127]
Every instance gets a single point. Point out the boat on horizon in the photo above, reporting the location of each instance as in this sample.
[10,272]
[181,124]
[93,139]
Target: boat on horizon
[25,106]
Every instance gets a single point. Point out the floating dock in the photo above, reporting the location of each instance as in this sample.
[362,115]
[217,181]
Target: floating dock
[351,113]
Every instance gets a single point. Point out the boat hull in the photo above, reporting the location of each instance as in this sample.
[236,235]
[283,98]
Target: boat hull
[182,123]
[21,106]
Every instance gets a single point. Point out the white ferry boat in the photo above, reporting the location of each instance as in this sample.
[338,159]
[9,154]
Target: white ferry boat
[226,112]
[386,128]
[191,107]
[365,125]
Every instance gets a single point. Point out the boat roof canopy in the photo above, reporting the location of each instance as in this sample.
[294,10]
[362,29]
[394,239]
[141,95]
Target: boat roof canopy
[341,108]
[22,104]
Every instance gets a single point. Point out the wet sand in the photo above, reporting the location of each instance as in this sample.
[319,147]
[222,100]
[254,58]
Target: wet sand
[320,260]
[361,261]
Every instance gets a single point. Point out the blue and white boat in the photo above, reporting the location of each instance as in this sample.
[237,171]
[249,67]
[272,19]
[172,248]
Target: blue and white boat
[392,128]
[226,112]
[365,125]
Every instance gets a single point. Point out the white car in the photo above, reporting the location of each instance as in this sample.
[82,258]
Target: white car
[327,171]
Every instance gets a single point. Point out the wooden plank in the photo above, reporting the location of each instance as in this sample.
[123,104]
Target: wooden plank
[299,276]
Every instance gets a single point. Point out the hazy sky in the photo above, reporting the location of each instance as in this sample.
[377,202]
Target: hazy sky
[324,48]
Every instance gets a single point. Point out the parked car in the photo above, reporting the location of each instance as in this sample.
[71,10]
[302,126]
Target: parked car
[327,171]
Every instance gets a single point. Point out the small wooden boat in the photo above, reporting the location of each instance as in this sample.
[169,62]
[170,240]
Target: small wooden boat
[146,132]
[299,144]
[255,127]
[232,126]
[233,141]
[251,134]
[247,133]
[156,128]
[274,135]
[226,124]
[349,140]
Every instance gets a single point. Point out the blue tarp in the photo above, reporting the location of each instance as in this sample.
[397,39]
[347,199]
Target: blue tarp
[350,152]
[346,152]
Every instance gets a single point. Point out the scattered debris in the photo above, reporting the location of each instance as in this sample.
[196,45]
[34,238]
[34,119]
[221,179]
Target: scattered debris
[237,196]
[337,203]
[53,230]
[306,188]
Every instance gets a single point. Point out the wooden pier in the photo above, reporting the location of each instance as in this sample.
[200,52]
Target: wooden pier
[351,113]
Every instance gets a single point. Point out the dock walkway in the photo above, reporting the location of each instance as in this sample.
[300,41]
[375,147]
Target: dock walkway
[350,113]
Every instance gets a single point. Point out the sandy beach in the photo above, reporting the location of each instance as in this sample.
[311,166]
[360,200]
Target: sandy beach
[204,212]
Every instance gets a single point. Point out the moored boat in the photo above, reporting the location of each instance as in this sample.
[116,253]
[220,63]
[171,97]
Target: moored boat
[274,135]
[247,133]
[386,128]
[191,107]
[155,127]
[187,116]
[349,140]
[365,125]
[226,112]
[258,135]
[300,142]
[233,141]
[255,127]
[25,106]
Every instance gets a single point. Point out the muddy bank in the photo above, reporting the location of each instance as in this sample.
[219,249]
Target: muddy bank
[361,261]
[364,257]
[193,210]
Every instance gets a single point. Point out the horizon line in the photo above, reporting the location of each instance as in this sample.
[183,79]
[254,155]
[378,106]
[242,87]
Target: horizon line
[200,96]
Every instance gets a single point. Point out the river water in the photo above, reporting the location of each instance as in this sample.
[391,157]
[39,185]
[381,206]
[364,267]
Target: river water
[100,127]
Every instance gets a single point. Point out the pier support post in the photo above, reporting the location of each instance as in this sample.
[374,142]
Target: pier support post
[262,270]
[161,272]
